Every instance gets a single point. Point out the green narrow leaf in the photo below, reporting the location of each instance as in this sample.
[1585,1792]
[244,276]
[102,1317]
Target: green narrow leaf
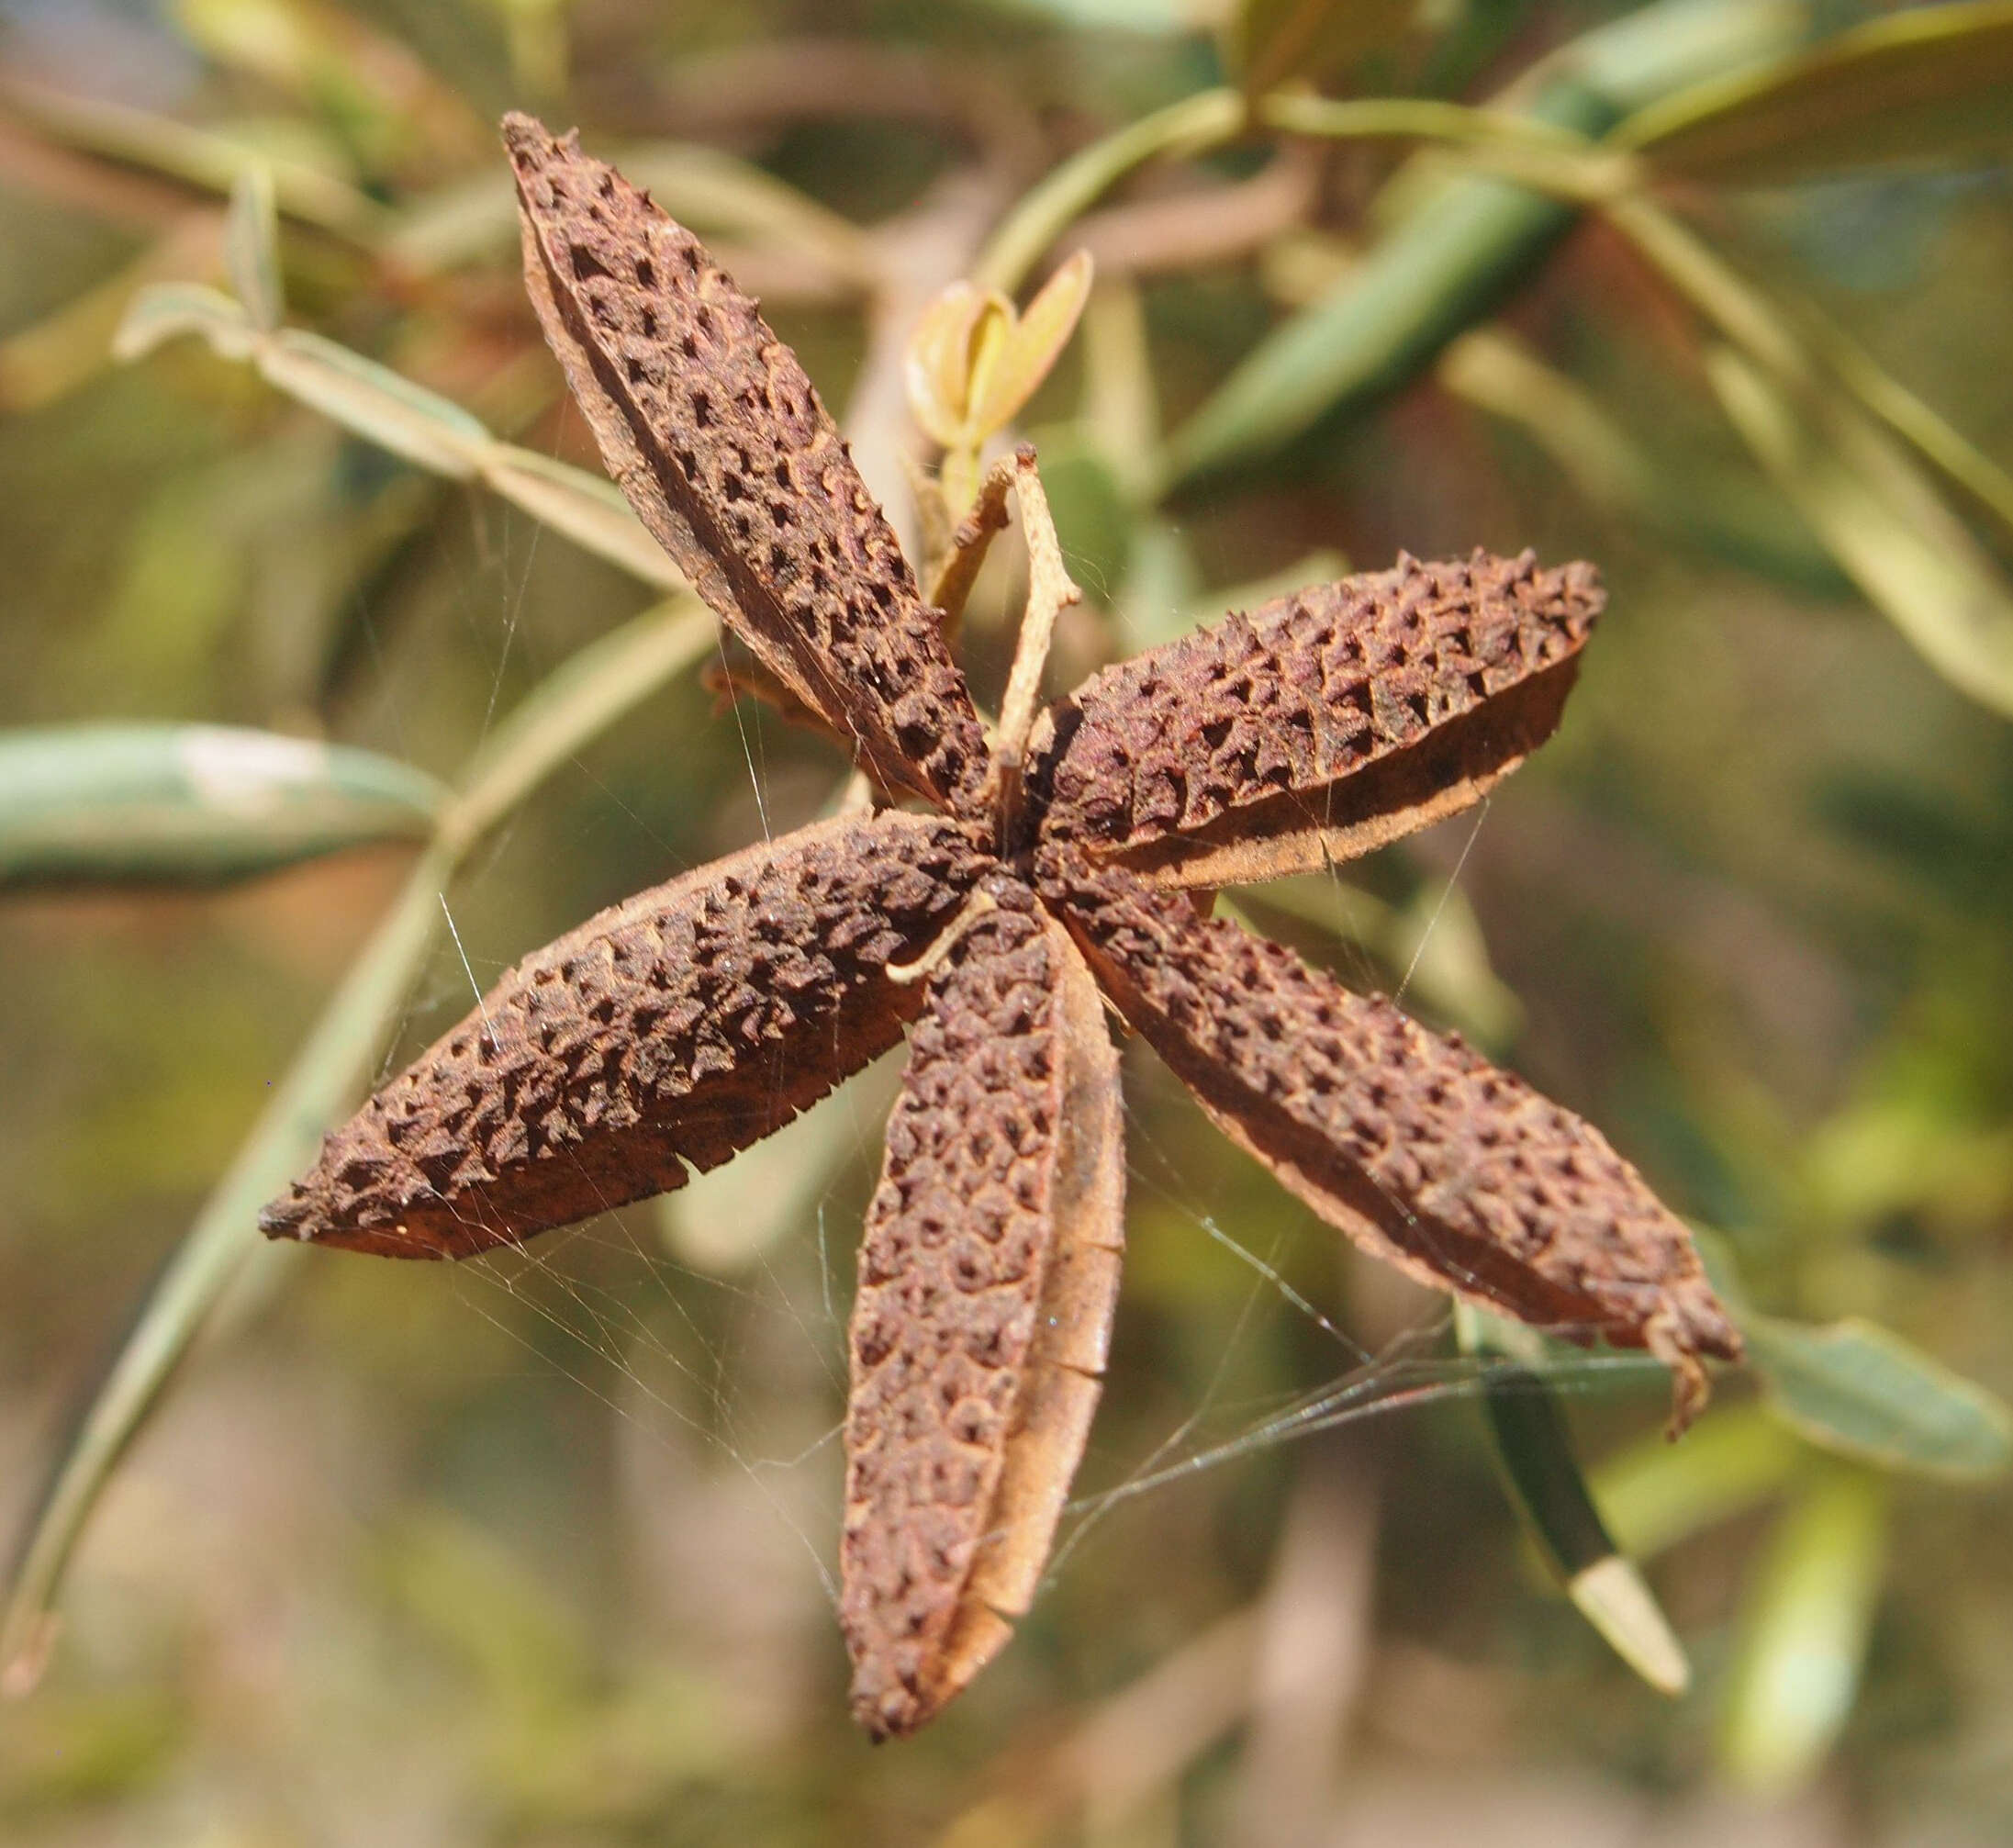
[1860,1390]
[1714,509]
[1531,1438]
[251,247]
[1497,372]
[1535,1450]
[1803,1633]
[578,701]
[193,802]
[165,312]
[1879,515]
[1883,522]
[1434,275]
[419,425]
[587,508]
[1459,251]
[1805,350]
[221,1251]
[1534,1446]
[412,422]
[1933,435]
[1672,44]
[1930,84]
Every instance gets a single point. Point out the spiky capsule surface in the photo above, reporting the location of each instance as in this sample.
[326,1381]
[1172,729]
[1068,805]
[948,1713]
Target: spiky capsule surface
[988,1275]
[679,1026]
[1431,1158]
[1322,724]
[720,441]
[665,1033]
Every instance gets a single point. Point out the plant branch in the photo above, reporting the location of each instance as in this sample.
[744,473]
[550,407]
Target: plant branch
[423,428]
[1050,590]
[1208,120]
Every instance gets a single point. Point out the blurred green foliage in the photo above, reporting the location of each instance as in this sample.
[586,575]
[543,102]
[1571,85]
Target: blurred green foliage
[1711,292]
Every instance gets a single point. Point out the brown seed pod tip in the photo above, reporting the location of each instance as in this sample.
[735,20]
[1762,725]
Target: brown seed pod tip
[529,143]
[1681,1329]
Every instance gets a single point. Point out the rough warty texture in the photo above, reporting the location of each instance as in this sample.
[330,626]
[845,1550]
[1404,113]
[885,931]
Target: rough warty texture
[682,1026]
[712,429]
[1427,1154]
[673,1029]
[987,1281]
[1353,711]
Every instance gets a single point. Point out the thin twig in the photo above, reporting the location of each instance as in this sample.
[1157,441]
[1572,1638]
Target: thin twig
[1050,590]
[972,541]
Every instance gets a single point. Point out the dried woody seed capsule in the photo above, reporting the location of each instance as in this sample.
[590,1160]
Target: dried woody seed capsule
[988,1279]
[698,1016]
[1320,725]
[674,1028]
[1429,1157]
[708,424]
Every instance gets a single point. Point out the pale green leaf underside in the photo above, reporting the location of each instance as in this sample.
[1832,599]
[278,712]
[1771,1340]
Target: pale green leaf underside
[430,432]
[193,802]
[1860,1390]
[1925,86]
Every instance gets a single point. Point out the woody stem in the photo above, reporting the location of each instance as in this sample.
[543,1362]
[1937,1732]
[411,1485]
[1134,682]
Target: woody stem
[1050,590]
[973,539]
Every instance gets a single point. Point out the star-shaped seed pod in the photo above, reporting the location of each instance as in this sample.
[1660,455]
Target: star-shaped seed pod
[1060,863]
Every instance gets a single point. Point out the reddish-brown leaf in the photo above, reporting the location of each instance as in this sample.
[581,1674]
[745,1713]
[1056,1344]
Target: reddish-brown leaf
[987,1283]
[713,432]
[673,1029]
[1320,725]
[1426,1154]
